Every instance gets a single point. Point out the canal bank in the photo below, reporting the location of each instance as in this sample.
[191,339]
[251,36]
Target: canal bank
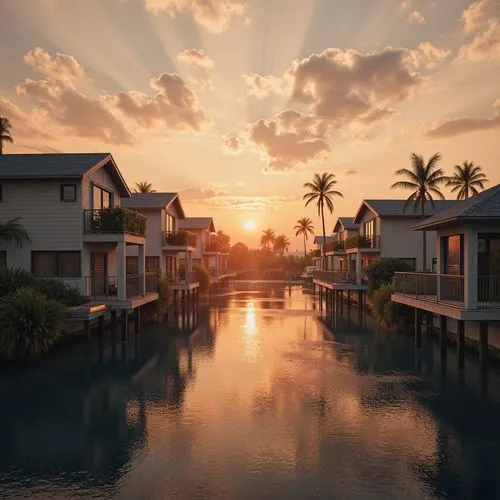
[261,399]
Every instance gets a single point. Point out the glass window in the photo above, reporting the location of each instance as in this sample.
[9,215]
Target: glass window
[369,228]
[68,192]
[152,264]
[453,254]
[55,264]
[101,198]
[489,254]
[169,223]
[3,259]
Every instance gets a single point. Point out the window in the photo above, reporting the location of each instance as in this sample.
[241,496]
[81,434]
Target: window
[152,264]
[3,259]
[68,192]
[169,223]
[55,264]
[488,254]
[453,254]
[101,198]
[369,229]
[132,264]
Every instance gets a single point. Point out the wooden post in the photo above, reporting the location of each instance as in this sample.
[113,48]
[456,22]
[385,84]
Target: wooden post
[341,293]
[483,345]
[124,325]
[113,322]
[461,343]
[443,328]
[137,322]
[418,329]
[176,294]
[183,301]
[86,329]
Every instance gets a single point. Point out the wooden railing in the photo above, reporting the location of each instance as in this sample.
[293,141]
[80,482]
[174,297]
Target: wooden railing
[336,276]
[178,239]
[114,221]
[181,277]
[361,241]
[488,291]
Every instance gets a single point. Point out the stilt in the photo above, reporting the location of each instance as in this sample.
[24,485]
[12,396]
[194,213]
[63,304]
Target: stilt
[443,328]
[86,329]
[461,343]
[183,301]
[348,297]
[360,306]
[483,345]
[101,327]
[176,297]
[418,329]
[429,323]
[137,322]
[113,322]
[321,298]
[341,303]
[124,325]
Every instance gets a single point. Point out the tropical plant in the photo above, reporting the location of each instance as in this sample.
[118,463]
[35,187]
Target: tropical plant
[13,278]
[56,289]
[30,323]
[468,179]
[155,312]
[381,272]
[281,244]
[423,179]
[222,241]
[267,238]
[203,277]
[322,192]
[12,230]
[304,227]
[144,187]
[5,132]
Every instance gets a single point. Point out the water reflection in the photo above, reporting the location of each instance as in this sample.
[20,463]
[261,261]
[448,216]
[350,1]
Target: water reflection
[251,401]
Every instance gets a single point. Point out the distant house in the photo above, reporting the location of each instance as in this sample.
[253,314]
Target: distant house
[345,228]
[70,204]
[166,239]
[466,285]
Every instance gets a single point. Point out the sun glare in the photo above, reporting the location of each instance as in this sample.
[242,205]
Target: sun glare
[250,225]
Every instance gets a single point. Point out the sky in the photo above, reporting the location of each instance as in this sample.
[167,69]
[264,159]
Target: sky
[235,104]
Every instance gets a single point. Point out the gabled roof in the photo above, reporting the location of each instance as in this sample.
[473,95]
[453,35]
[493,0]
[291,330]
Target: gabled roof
[318,240]
[483,206]
[197,223]
[154,200]
[395,208]
[345,223]
[60,166]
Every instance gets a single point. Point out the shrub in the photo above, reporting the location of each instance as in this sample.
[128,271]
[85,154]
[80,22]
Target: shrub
[12,278]
[56,289]
[30,323]
[382,271]
[387,313]
[156,311]
[203,277]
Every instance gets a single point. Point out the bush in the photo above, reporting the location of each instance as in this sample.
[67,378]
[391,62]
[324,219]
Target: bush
[203,277]
[56,289]
[13,278]
[156,311]
[30,323]
[382,271]
[387,313]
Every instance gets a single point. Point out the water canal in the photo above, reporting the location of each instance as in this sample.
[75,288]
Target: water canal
[263,400]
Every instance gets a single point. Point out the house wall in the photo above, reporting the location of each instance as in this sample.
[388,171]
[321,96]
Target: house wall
[51,224]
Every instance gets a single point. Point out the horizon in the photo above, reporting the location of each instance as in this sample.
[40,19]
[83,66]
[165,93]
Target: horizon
[236,106]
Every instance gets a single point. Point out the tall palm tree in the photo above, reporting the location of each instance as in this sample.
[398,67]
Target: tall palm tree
[12,230]
[467,179]
[304,227]
[322,192]
[5,132]
[144,187]
[281,244]
[424,180]
[267,238]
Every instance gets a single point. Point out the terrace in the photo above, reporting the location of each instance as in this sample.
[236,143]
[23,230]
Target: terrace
[180,239]
[114,221]
[363,242]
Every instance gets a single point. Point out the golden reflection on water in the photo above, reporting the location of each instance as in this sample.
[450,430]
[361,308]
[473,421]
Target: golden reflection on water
[251,340]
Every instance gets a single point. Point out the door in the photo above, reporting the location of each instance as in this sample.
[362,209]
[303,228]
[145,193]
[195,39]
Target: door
[99,273]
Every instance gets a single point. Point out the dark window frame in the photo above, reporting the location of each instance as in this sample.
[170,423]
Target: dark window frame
[58,253]
[102,190]
[62,193]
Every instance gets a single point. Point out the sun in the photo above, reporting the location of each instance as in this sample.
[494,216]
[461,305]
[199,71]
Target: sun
[250,225]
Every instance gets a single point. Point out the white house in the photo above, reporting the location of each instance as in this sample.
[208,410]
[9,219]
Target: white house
[70,205]
[466,285]
[165,237]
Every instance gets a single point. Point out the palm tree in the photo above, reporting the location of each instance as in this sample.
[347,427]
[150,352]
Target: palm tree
[267,238]
[13,231]
[424,180]
[323,193]
[281,244]
[467,179]
[144,187]
[304,227]
[5,132]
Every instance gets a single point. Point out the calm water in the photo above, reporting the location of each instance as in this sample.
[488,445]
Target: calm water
[262,400]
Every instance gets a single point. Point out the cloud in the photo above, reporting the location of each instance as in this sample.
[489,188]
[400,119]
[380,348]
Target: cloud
[350,172]
[261,86]
[376,115]
[232,144]
[213,15]
[201,65]
[198,193]
[174,105]
[290,139]
[416,17]
[479,14]
[458,126]
[427,55]
[248,202]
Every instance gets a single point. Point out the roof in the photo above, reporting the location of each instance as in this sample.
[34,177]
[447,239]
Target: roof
[346,223]
[318,240]
[483,206]
[59,166]
[395,208]
[197,223]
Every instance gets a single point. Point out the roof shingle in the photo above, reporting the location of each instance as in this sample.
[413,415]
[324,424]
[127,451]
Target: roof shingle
[149,200]
[197,223]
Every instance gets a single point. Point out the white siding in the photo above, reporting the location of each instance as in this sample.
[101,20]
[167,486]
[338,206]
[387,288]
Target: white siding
[51,223]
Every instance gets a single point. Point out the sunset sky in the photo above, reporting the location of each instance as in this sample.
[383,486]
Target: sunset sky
[236,103]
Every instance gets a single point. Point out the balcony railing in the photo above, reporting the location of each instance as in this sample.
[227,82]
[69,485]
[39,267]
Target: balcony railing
[181,277]
[439,288]
[178,239]
[114,221]
[488,291]
[361,241]
[336,276]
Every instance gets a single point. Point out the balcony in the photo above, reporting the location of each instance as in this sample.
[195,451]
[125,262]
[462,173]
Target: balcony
[182,277]
[335,246]
[212,247]
[178,239]
[488,291]
[114,221]
[363,242]
[341,277]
